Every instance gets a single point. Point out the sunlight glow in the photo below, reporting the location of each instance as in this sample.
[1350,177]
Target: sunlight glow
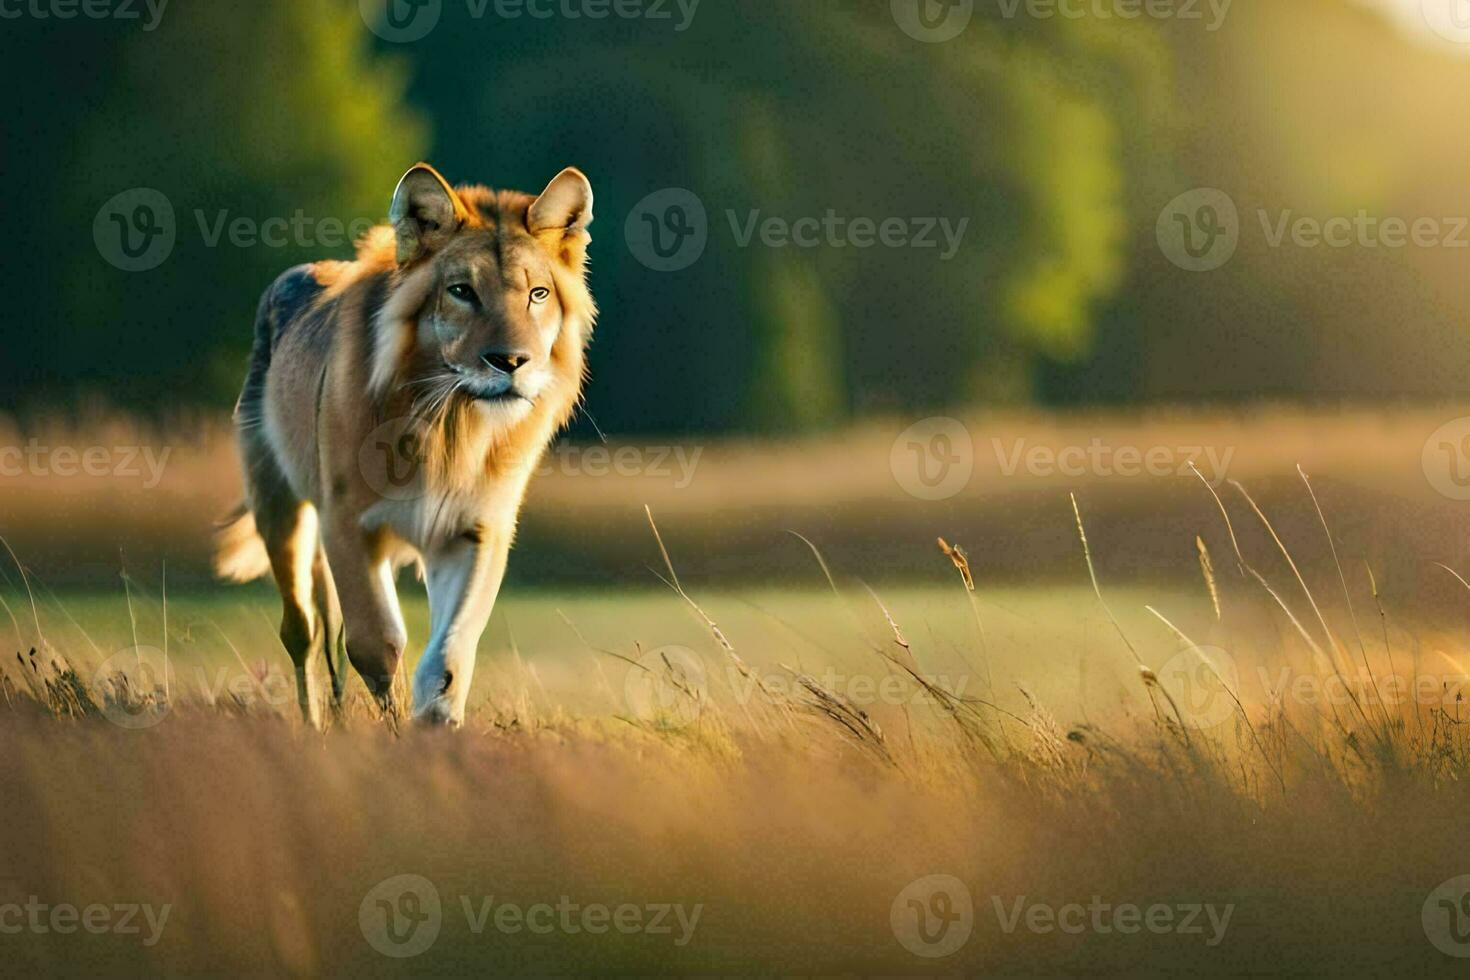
[1442,23]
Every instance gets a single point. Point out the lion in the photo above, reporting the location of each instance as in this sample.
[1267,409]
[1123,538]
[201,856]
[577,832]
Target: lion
[393,412]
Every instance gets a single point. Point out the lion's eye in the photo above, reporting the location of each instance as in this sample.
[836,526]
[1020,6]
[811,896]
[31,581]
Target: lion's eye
[461,291]
[540,294]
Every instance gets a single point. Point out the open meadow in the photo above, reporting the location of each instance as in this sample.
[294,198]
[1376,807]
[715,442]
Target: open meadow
[1251,756]
[835,488]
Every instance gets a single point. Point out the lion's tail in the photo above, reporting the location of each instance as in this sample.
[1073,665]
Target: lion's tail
[239,552]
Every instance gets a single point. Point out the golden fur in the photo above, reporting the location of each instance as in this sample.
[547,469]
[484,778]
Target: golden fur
[451,349]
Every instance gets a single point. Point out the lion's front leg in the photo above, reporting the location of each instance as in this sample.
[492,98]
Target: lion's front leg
[463,577]
[363,577]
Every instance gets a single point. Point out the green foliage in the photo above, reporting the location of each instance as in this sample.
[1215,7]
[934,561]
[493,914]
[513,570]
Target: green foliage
[232,111]
[1031,130]
[1028,132]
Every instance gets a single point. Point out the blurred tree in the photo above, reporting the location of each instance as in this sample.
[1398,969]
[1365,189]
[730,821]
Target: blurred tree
[1033,134]
[232,111]
[1035,139]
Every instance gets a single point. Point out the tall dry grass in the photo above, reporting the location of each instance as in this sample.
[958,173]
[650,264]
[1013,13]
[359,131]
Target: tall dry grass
[793,817]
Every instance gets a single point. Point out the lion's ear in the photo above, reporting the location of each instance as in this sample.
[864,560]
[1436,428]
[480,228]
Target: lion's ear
[425,212]
[566,204]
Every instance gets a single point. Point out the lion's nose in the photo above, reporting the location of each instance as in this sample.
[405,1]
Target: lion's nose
[506,361]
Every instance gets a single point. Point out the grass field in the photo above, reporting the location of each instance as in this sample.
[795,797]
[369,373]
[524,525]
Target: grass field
[727,510]
[1250,758]
[559,653]
[772,825]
